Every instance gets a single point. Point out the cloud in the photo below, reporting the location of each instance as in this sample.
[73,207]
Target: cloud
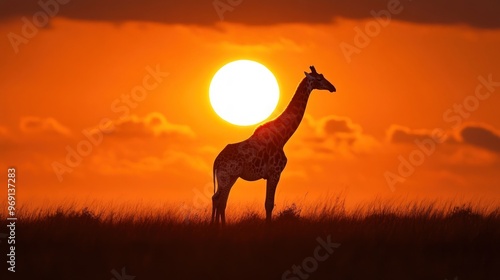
[399,134]
[335,135]
[470,145]
[170,161]
[480,13]
[43,127]
[477,135]
[33,137]
[148,144]
[481,136]
[334,125]
[152,125]
[33,143]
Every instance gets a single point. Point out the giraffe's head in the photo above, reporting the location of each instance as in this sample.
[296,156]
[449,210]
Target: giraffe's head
[318,81]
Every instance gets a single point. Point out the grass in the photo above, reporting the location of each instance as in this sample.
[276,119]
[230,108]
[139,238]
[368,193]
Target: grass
[419,240]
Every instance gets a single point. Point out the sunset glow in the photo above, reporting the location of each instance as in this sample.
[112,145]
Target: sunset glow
[245,139]
[150,77]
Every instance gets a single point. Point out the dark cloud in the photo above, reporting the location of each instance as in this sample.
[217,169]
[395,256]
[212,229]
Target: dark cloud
[480,13]
[482,137]
[477,135]
[338,125]
[403,135]
[336,135]
[339,129]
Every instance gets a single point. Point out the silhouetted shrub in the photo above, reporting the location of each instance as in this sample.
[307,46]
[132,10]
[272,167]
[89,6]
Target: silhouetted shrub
[290,213]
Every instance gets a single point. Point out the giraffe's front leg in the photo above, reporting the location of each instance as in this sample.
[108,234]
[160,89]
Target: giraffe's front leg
[272,183]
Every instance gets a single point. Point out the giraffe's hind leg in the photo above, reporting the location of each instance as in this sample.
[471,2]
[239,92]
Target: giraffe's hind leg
[214,208]
[222,207]
[219,199]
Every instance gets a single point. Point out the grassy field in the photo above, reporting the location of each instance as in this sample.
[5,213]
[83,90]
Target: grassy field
[404,241]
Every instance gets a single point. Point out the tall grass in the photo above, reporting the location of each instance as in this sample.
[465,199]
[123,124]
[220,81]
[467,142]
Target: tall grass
[379,240]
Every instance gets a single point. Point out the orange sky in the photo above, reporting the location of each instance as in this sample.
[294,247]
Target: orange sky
[408,80]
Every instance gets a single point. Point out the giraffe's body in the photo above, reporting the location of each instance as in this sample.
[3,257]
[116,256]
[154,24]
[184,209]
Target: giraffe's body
[261,156]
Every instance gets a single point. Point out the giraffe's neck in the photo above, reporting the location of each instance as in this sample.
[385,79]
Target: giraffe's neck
[283,127]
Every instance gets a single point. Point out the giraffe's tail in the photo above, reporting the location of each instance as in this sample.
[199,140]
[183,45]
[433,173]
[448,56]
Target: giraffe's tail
[214,174]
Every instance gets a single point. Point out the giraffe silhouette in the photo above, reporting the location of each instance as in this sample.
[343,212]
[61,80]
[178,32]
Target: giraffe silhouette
[261,156]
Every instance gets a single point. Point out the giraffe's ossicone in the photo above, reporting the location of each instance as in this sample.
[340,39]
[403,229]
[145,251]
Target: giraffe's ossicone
[261,156]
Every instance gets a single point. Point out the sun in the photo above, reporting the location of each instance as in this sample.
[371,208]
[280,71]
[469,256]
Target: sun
[244,92]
